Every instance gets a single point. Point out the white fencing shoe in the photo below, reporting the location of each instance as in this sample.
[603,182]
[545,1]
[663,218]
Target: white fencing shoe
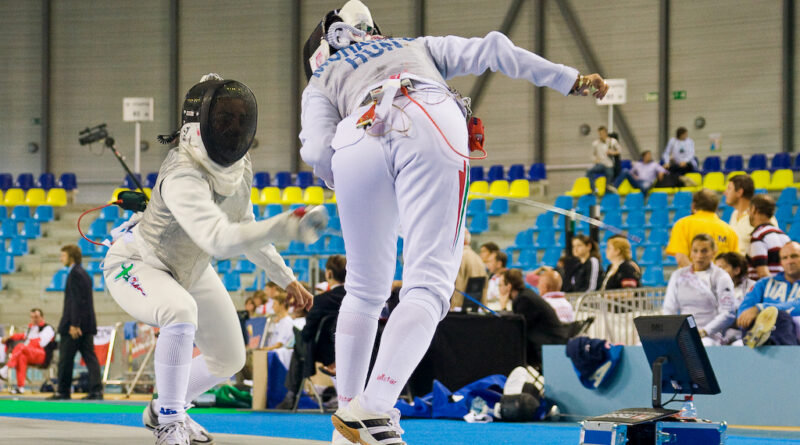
[173,433]
[197,434]
[367,428]
[338,439]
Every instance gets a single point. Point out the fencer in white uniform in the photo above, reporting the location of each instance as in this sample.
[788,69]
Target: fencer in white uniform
[159,267]
[409,169]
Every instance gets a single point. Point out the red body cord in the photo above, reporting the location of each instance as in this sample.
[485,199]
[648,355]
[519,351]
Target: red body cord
[405,92]
[94,210]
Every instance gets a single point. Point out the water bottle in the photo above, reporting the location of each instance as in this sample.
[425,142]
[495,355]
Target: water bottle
[478,406]
[688,410]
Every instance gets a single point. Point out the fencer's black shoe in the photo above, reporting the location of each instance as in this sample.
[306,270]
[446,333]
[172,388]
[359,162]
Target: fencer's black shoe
[93,396]
[363,427]
[197,434]
[59,396]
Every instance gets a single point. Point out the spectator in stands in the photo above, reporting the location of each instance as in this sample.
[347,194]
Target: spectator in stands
[623,271]
[739,192]
[486,249]
[32,348]
[679,154]
[77,328]
[550,287]
[643,174]
[703,220]
[766,240]
[496,264]
[736,265]
[250,307]
[588,275]
[703,290]
[603,148]
[471,267]
[280,335]
[541,319]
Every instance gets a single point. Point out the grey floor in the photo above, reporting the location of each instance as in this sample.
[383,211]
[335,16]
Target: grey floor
[34,431]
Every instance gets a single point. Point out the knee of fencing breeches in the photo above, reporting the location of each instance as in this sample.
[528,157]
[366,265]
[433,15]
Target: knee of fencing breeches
[183,311]
[178,329]
[225,362]
[370,307]
[434,304]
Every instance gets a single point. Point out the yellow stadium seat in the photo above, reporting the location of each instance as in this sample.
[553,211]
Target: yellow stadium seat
[255,195]
[520,188]
[714,181]
[695,177]
[669,190]
[732,174]
[35,197]
[760,179]
[292,195]
[148,192]
[14,197]
[781,179]
[115,195]
[499,188]
[332,199]
[479,187]
[626,188]
[270,195]
[600,185]
[580,187]
[314,195]
[57,197]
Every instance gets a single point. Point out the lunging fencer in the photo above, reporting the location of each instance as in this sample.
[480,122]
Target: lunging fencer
[159,266]
[380,124]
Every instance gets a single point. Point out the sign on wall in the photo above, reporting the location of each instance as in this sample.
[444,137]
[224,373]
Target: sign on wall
[617,92]
[137,109]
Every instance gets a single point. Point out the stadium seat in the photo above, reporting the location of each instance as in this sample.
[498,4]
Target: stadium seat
[652,256]
[31,229]
[25,181]
[271,210]
[334,223]
[788,197]
[524,238]
[6,181]
[283,179]
[695,177]
[232,281]
[784,215]
[635,219]
[609,202]
[332,211]
[261,180]
[127,182]
[781,161]
[292,195]
[17,246]
[757,162]
[258,282]
[733,163]
[255,196]
[57,197]
[543,221]
[117,191]
[760,179]
[712,164]
[14,197]
[59,281]
[600,185]
[8,229]
[659,236]
[150,179]
[563,202]
[613,218]
[657,200]
[223,266]
[636,232]
[479,223]
[68,181]
[21,213]
[498,207]
[580,187]
[681,199]
[295,248]
[545,238]
[46,181]
[653,277]
[626,188]
[626,164]
[245,266]
[6,263]
[3,209]
[94,267]
[794,232]
[98,229]
[585,204]
[726,211]
[516,171]
[110,213]
[781,179]
[313,195]
[714,181]
[44,213]
[658,218]
[98,283]
[304,179]
[270,195]
[796,163]
[634,201]
[481,187]
[476,206]
[499,188]
[476,173]
[537,172]
[551,256]
[496,173]
[520,188]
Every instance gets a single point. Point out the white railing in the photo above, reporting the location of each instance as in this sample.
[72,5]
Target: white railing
[614,311]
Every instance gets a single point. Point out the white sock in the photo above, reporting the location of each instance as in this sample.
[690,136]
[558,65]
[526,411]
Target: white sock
[405,340]
[173,361]
[355,336]
[200,380]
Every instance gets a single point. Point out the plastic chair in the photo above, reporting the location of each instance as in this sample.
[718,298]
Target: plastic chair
[334,223]
[261,180]
[59,281]
[757,162]
[292,195]
[25,181]
[637,232]
[57,197]
[610,202]
[67,181]
[283,179]
[94,267]
[255,195]
[563,202]
[733,163]
[498,207]
[613,218]
[657,201]
[580,187]
[496,173]
[3,209]
[110,213]
[653,277]
[734,173]
[479,187]
[781,161]
[245,266]
[8,229]
[499,188]
[714,181]
[332,210]
[6,263]
[635,219]
[727,211]
[537,172]
[313,195]
[543,221]
[150,179]
[760,179]
[516,171]
[44,213]
[524,238]
[626,164]
[784,215]
[659,236]
[304,179]
[232,281]
[658,218]
[652,256]
[6,181]
[681,199]
[295,248]
[17,246]
[479,223]
[781,180]
[98,229]
[794,232]
[31,229]
[14,197]
[600,185]
[796,163]
[551,256]
[712,164]
[21,213]
[634,201]
[476,173]
[270,195]
[788,197]
[585,204]
[271,210]
[476,206]
[46,181]
[545,238]
[520,188]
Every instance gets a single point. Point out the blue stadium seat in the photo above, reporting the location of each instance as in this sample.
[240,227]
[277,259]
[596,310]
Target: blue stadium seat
[516,171]
[305,179]
[6,181]
[224,266]
[257,212]
[545,238]
[610,202]
[551,256]
[659,217]
[796,163]
[99,283]
[332,210]
[91,250]
[635,219]
[788,197]
[794,232]
[524,238]
[652,256]
[21,213]
[733,163]
[637,232]
[498,207]
[127,182]
[283,179]
[334,223]
[634,201]
[3,212]
[476,173]
[94,267]
[17,246]
[31,229]
[67,181]
[781,161]
[757,162]
[544,221]
[300,268]
[658,237]
[561,239]
[496,173]
[258,282]
[25,181]
[271,210]
[110,213]
[563,202]
[712,164]
[245,266]
[681,212]
[613,218]
[336,245]
[295,248]
[653,277]
[681,199]
[98,229]
[47,181]
[527,259]
[261,180]
[657,200]
[59,281]
[537,172]
[150,180]
[585,203]
[479,223]
[8,229]
[727,211]
[561,222]
[476,206]
[784,215]
[626,164]
[6,263]
[232,281]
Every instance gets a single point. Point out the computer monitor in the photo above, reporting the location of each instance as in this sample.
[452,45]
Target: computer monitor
[475,290]
[677,356]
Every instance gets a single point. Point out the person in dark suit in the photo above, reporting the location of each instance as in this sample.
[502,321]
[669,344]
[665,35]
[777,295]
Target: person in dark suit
[77,328]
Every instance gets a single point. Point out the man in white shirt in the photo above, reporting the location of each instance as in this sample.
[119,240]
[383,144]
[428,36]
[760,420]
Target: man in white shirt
[738,194]
[602,149]
[679,153]
[496,265]
[550,290]
[643,174]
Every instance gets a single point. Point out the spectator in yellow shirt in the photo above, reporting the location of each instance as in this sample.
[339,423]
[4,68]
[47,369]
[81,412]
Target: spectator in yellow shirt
[703,220]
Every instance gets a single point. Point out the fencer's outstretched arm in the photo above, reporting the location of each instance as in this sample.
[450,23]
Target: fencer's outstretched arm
[268,258]
[458,56]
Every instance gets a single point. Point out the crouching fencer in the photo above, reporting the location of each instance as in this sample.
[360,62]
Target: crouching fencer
[381,126]
[159,268]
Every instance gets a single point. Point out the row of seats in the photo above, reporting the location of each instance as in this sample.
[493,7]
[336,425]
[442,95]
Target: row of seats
[303,179]
[756,162]
[59,281]
[43,213]
[314,195]
[47,181]
[536,172]
[56,197]
[519,188]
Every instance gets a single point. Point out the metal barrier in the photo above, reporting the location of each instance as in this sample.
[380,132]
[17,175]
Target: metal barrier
[614,311]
